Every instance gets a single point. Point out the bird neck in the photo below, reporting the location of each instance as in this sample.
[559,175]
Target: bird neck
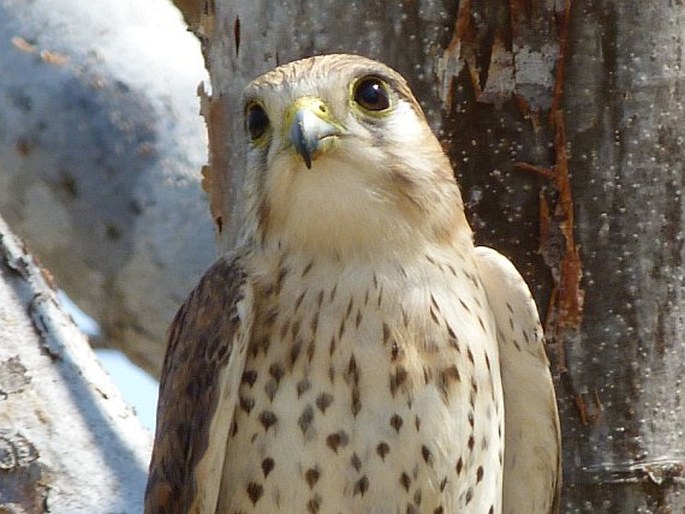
[340,243]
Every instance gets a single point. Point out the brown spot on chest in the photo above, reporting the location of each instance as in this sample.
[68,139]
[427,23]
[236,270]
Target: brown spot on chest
[337,440]
[361,486]
[267,466]
[303,386]
[254,491]
[382,450]
[249,377]
[397,379]
[267,419]
[396,422]
[312,476]
[306,418]
[405,481]
[356,462]
[323,401]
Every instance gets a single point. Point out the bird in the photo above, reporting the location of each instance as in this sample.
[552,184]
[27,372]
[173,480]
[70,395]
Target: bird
[355,352]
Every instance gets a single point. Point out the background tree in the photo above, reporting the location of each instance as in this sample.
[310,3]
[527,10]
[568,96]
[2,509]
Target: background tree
[100,150]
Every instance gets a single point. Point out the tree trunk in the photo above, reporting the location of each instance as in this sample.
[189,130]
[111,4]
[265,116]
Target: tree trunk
[625,121]
[68,442]
[564,123]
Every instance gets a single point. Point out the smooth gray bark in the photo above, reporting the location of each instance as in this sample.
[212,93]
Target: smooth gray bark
[101,148]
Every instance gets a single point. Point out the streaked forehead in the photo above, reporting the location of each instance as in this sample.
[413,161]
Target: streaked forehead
[307,75]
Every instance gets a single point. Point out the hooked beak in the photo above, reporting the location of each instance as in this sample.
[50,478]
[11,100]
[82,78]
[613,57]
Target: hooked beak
[311,128]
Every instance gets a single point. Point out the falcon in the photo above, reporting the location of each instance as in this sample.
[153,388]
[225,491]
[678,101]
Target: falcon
[355,353]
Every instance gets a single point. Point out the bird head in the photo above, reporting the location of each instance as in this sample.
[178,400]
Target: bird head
[341,159]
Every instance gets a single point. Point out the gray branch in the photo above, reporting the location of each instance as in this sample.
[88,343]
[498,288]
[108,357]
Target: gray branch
[68,442]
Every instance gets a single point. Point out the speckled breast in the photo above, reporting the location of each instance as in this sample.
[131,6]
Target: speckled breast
[368,390]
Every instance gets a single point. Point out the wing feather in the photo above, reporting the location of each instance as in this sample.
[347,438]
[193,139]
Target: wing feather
[532,475]
[198,390]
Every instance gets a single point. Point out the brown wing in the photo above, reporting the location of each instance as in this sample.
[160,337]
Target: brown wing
[532,446]
[198,390]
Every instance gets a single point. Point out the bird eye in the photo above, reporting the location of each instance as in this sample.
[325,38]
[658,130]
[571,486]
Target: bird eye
[257,121]
[371,93]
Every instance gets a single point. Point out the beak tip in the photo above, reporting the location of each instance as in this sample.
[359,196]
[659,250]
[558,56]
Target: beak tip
[305,153]
[300,142]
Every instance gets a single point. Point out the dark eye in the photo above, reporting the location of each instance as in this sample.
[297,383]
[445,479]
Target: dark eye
[257,121]
[371,93]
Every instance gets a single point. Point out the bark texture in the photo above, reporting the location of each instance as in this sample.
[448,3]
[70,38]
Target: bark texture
[625,116]
[100,155]
[68,443]
[564,122]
